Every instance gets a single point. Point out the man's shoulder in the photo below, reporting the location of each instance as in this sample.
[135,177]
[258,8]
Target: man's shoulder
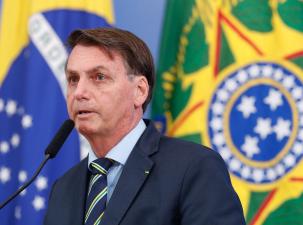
[183,147]
[172,145]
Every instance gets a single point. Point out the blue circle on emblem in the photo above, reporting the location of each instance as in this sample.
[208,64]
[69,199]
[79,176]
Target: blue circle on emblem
[256,121]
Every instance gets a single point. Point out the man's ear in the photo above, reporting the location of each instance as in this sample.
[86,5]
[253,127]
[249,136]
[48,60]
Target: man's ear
[142,89]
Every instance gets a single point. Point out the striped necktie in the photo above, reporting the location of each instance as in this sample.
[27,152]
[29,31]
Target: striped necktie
[97,191]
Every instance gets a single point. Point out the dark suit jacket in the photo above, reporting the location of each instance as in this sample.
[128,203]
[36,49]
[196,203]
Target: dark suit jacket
[165,181]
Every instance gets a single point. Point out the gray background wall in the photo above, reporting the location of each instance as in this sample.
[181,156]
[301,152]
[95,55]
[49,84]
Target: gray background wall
[142,17]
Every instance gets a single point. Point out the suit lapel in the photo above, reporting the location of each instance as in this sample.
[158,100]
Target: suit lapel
[135,172]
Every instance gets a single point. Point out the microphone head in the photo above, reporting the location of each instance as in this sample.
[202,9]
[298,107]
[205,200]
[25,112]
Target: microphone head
[60,137]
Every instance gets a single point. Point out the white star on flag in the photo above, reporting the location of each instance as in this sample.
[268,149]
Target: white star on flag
[271,174]
[231,85]
[242,76]
[258,175]
[267,70]
[15,140]
[41,183]
[245,172]
[289,160]
[218,108]
[235,164]
[298,148]
[273,99]
[38,203]
[289,82]
[216,124]
[218,139]
[11,107]
[263,127]
[222,95]
[18,214]
[22,176]
[250,146]
[278,74]
[27,121]
[4,147]
[225,153]
[247,106]
[297,93]
[254,70]
[280,169]
[282,128]
[5,174]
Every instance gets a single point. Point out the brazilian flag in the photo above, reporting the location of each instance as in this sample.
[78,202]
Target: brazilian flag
[33,35]
[230,76]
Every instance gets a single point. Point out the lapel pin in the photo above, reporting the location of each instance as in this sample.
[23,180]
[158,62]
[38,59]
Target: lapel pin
[146,172]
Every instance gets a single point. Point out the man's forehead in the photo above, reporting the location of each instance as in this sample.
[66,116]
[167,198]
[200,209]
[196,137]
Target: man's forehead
[76,53]
[109,52]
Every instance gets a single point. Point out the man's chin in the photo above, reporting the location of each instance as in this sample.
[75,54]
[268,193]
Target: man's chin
[84,129]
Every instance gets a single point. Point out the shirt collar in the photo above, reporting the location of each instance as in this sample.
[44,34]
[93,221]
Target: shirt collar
[122,149]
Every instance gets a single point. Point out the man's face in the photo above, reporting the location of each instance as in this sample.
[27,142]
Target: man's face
[101,97]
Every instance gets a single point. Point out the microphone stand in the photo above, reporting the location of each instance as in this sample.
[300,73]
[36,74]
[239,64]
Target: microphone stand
[46,158]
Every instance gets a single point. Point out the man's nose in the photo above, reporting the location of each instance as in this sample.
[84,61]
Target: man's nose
[82,89]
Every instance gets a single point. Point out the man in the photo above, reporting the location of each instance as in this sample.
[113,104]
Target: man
[152,179]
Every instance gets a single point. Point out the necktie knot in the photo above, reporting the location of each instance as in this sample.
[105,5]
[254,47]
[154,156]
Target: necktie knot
[100,166]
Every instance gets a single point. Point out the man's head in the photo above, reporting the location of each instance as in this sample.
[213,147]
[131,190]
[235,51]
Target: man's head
[136,54]
[110,76]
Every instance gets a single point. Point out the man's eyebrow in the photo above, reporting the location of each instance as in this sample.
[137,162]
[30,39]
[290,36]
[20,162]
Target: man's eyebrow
[70,71]
[97,68]
[91,70]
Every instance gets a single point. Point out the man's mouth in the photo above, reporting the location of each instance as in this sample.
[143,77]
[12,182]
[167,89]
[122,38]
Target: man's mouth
[83,112]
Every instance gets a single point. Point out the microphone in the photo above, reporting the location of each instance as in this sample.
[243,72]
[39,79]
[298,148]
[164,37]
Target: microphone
[50,152]
[60,137]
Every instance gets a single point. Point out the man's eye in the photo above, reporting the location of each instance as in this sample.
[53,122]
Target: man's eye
[72,79]
[100,76]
